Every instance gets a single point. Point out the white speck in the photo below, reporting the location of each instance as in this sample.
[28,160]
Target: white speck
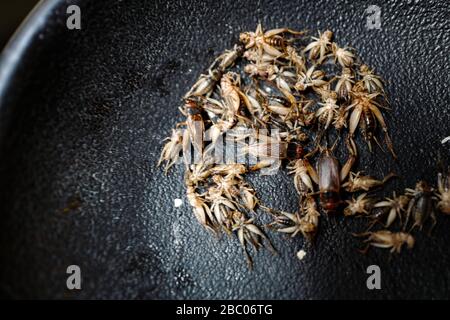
[178,203]
[301,254]
[445,140]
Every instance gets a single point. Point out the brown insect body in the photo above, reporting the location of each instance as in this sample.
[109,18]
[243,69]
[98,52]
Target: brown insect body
[276,41]
[228,58]
[358,182]
[195,124]
[421,207]
[329,181]
[368,125]
[388,240]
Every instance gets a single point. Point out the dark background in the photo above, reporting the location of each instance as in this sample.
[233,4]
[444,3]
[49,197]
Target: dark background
[11,15]
[83,118]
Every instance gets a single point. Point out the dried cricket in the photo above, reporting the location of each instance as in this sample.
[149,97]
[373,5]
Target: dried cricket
[196,174]
[201,209]
[421,206]
[227,186]
[360,205]
[328,110]
[229,57]
[387,240]
[296,59]
[340,118]
[267,42]
[345,83]
[396,207]
[330,177]
[195,124]
[264,146]
[254,56]
[263,70]
[171,150]
[282,77]
[372,82]
[303,171]
[278,106]
[205,84]
[222,209]
[306,221]
[319,48]
[366,114]
[343,55]
[230,90]
[310,79]
[233,169]
[310,218]
[358,182]
[247,232]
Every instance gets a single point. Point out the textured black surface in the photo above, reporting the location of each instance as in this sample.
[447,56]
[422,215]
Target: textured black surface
[84,116]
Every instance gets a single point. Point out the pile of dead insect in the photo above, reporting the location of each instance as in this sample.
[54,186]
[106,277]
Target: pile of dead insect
[276,98]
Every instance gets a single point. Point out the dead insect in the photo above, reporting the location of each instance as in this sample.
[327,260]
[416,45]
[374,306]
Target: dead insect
[344,56]
[248,197]
[247,232]
[232,169]
[310,79]
[345,83]
[267,42]
[201,209]
[171,150]
[421,206]
[253,56]
[278,105]
[387,240]
[290,223]
[261,70]
[195,124]
[296,59]
[444,193]
[228,58]
[328,110]
[230,90]
[222,209]
[283,77]
[319,48]
[340,118]
[366,113]
[227,186]
[205,84]
[222,117]
[263,146]
[396,207]
[360,205]
[196,174]
[305,221]
[330,177]
[372,82]
[358,182]
[310,217]
[303,171]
